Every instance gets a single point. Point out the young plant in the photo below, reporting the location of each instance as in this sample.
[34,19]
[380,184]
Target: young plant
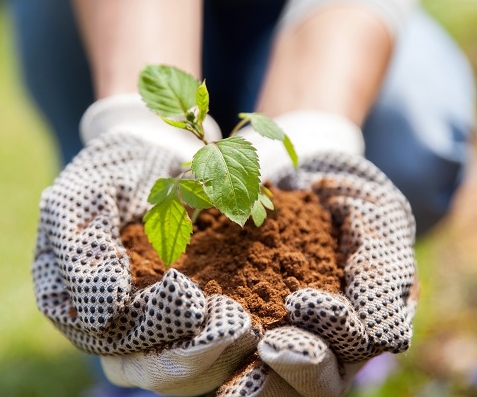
[223,174]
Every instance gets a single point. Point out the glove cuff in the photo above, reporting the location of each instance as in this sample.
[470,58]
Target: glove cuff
[311,132]
[127,113]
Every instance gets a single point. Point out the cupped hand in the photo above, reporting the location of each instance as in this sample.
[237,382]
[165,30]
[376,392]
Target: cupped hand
[331,336]
[168,336]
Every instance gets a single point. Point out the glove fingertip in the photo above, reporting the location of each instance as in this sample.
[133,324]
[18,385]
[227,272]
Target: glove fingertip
[333,318]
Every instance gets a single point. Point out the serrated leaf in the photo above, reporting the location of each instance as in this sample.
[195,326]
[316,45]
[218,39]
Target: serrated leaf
[229,172]
[269,129]
[259,214]
[167,90]
[193,194]
[264,126]
[202,99]
[168,228]
[160,190]
[265,200]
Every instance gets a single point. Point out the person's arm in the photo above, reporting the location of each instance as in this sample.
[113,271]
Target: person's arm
[122,36]
[333,61]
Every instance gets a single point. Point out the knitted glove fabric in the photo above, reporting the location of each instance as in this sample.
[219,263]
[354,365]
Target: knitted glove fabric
[172,339]
[377,238]
[83,282]
[331,336]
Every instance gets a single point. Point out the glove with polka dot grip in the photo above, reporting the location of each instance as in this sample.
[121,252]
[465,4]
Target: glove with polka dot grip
[167,336]
[331,336]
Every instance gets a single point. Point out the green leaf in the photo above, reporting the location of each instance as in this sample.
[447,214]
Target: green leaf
[265,200]
[202,99]
[269,129]
[193,194]
[195,128]
[291,150]
[167,90]
[266,191]
[160,190]
[168,228]
[264,126]
[175,123]
[259,214]
[186,164]
[229,172]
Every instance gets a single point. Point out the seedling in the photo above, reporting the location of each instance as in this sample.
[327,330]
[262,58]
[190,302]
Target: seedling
[223,174]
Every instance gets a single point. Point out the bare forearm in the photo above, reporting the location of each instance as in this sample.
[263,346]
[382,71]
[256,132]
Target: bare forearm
[122,36]
[333,61]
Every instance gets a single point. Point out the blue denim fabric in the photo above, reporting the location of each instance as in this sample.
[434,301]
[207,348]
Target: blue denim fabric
[54,67]
[417,133]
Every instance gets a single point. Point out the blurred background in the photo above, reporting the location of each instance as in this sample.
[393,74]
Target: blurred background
[35,360]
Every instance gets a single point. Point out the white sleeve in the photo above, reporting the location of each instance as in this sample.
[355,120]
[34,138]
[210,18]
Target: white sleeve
[394,13]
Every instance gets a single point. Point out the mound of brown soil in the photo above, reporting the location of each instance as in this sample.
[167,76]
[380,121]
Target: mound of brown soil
[258,267]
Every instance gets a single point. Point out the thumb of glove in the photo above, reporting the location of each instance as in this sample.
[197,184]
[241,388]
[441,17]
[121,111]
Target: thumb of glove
[310,132]
[127,113]
[306,362]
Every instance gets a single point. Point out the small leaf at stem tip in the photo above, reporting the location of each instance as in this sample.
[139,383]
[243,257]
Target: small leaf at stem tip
[175,123]
[202,99]
[264,125]
[230,174]
[192,193]
[291,151]
[168,90]
[270,129]
[191,115]
[259,214]
[265,190]
[186,164]
[195,128]
[265,200]
[168,228]
[160,190]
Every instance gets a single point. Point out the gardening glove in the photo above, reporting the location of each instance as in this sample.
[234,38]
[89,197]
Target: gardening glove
[167,336]
[331,336]
[309,131]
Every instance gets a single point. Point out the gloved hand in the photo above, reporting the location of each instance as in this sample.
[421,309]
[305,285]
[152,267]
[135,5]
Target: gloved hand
[332,335]
[81,271]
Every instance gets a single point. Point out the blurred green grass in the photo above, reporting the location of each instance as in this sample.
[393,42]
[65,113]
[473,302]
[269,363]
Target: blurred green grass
[35,360]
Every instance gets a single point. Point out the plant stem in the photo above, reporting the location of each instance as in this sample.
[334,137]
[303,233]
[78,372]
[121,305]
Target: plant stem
[198,131]
[239,125]
[195,215]
[202,133]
